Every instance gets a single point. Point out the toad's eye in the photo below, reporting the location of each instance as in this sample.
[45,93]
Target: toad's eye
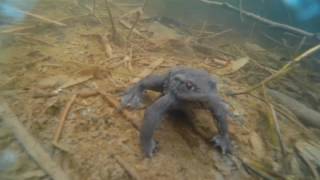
[190,85]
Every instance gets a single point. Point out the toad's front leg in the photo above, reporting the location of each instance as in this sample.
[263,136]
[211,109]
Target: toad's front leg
[152,119]
[133,98]
[220,113]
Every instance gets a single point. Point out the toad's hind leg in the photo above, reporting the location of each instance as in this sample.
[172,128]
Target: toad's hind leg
[152,118]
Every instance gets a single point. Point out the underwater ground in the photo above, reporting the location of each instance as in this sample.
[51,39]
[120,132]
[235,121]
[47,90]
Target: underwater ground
[64,67]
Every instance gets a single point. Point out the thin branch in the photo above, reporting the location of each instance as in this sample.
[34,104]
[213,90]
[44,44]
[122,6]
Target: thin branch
[283,70]
[138,17]
[300,45]
[128,168]
[42,18]
[241,9]
[114,30]
[275,120]
[261,19]
[93,7]
[62,119]
[30,144]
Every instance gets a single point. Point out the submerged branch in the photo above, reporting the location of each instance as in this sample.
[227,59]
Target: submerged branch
[261,19]
[42,18]
[285,69]
[115,36]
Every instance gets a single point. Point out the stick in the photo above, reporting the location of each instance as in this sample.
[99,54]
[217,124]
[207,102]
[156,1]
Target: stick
[306,115]
[139,13]
[300,45]
[276,126]
[17,29]
[221,33]
[131,171]
[93,7]
[268,69]
[30,144]
[208,49]
[62,119]
[255,170]
[35,40]
[261,19]
[114,29]
[148,71]
[25,28]
[240,10]
[134,25]
[45,19]
[128,26]
[114,103]
[77,81]
[282,71]
[313,169]
[203,28]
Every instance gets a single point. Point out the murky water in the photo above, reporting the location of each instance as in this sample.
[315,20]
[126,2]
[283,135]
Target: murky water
[64,65]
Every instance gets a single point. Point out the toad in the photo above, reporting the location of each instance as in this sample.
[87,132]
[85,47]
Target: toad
[178,87]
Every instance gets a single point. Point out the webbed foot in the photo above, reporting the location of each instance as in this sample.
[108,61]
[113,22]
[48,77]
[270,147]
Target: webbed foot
[223,143]
[151,148]
[133,98]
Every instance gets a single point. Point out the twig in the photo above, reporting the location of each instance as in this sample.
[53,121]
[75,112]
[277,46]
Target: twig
[115,35]
[87,93]
[130,12]
[114,103]
[282,71]
[203,27]
[277,127]
[240,10]
[114,30]
[252,30]
[36,40]
[300,45]
[313,169]
[77,81]
[148,71]
[17,29]
[274,40]
[270,70]
[128,26]
[119,63]
[94,7]
[62,119]
[25,28]
[215,35]
[92,11]
[129,57]
[207,48]
[138,15]
[261,19]
[256,171]
[30,144]
[221,33]
[45,19]
[129,169]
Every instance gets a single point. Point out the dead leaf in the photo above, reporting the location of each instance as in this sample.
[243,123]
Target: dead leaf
[257,145]
[234,66]
[75,81]
[53,81]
